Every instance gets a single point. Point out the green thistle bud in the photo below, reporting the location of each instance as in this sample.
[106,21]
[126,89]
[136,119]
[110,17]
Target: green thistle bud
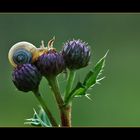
[26,77]
[76,54]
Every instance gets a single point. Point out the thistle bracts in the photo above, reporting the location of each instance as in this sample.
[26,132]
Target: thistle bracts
[26,77]
[50,63]
[76,54]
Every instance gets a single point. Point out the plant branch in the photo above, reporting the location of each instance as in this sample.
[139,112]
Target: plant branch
[65,111]
[66,116]
[70,80]
[44,106]
[55,88]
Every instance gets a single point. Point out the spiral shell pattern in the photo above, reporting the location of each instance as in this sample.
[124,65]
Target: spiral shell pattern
[21,53]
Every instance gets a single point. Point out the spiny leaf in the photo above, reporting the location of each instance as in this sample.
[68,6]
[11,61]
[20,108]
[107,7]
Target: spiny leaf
[90,80]
[79,89]
[43,116]
[92,76]
[40,119]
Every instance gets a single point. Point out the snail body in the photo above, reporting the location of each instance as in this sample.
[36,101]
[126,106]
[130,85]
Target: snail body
[22,53]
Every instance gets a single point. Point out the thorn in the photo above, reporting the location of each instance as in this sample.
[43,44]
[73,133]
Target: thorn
[98,83]
[106,53]
[101,79]
[29,119]
[29,123]
[87,95]
[34,111]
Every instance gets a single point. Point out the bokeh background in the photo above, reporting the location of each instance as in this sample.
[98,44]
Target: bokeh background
[116,102]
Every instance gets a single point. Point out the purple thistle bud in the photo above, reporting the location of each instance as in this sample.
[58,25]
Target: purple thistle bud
[50,63]
[76,54]
[26,77]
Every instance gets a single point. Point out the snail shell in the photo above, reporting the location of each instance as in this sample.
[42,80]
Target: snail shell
[21,53]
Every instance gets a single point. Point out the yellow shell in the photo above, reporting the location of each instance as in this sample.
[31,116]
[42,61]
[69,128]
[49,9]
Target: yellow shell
[21,45]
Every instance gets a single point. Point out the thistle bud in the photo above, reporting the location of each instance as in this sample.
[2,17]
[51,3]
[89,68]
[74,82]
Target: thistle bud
[76,54]
[50,62]
[26,77]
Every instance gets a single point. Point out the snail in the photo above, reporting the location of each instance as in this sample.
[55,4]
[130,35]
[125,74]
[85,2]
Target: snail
[25,52]
[21,53]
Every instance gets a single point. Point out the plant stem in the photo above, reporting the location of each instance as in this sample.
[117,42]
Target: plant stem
[44,106]
[65,111]
[66,116]
[70,80]
[55,88]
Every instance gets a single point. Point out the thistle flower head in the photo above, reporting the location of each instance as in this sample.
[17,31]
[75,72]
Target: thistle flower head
[26,77]
[76,54]
[50,62]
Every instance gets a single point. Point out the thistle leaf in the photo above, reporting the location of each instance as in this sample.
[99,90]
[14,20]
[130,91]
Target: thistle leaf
[76,92]
[40,119]
[43,116]
[92,77]
[90,80]
[79,89]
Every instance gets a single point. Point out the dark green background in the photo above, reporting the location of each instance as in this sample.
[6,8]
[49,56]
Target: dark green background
[116,102]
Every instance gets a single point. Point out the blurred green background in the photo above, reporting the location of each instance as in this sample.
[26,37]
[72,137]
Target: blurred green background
[116,102]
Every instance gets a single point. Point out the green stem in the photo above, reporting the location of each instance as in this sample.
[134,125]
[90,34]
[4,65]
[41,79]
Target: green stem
[65,111]
[70,80]
[55,88]
[44,106]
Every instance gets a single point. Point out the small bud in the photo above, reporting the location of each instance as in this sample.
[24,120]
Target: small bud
[26,77]
[76,54]
[50,63]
